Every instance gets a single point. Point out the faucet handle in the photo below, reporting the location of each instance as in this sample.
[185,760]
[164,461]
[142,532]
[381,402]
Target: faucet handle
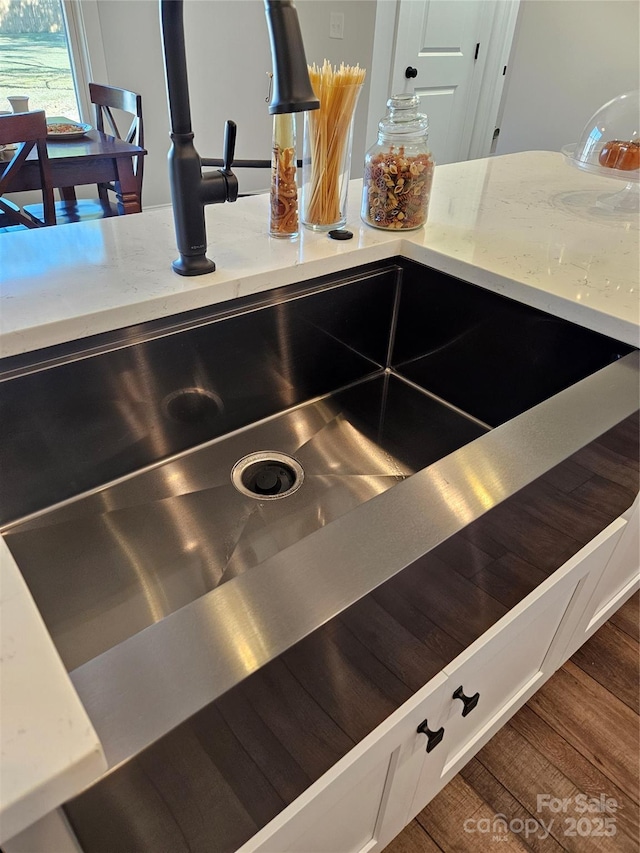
[228,153]
[229,147]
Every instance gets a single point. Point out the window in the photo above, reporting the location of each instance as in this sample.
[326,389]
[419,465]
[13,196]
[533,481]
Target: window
[36,56]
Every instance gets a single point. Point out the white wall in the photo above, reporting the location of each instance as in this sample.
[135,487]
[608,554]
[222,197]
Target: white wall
[569,57]
[228,58]
[133,59]
[356,47]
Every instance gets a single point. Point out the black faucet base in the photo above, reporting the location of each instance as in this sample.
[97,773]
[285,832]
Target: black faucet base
[198,265]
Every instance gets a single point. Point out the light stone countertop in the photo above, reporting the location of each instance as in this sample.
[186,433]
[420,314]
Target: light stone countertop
[48,748]
[524,225]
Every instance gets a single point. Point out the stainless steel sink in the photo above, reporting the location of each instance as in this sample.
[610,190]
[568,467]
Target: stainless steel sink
[118,499]
[160,539]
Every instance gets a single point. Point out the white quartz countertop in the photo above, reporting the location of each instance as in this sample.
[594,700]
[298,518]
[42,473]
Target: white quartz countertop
[525,225]
[48,748]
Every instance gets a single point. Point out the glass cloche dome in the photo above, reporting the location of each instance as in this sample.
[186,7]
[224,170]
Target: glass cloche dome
[610,142]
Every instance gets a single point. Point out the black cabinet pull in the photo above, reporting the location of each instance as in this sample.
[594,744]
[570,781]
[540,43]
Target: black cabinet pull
[410,72]
[469,702]
[433,738]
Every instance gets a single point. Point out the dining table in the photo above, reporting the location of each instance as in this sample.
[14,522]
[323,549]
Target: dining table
[92,158]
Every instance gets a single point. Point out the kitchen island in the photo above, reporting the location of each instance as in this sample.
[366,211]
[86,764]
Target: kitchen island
[509,225]
[516,224]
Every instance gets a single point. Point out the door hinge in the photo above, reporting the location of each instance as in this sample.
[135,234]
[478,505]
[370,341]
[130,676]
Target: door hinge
[477,51]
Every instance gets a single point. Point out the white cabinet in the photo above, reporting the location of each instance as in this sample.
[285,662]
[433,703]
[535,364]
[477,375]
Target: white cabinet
[497,674]
[613,574]
[362,802]
[618,579]
[374,791]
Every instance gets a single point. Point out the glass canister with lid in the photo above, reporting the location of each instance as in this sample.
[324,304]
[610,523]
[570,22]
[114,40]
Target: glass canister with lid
[398,169]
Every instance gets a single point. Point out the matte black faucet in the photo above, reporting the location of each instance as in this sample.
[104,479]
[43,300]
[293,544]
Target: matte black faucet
[191,189]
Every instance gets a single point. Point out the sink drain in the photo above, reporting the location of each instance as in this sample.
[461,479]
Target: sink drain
[267,475]
[192,405]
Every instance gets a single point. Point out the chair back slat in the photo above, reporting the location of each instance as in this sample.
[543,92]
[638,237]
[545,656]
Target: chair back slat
[115,98]
[105,113]
[13,166]
[29,130]
[23,127]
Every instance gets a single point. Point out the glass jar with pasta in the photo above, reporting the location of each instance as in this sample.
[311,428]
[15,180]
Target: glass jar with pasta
[283,207]
[328,137]
[398,169]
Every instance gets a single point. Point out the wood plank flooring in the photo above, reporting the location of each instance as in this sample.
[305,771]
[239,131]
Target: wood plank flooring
[576,740]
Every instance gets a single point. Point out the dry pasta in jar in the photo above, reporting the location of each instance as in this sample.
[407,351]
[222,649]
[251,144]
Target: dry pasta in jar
[283,208]
[396,189]
[398,169]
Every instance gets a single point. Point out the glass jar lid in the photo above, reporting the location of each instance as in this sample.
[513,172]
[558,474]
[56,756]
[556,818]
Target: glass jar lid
[403,119]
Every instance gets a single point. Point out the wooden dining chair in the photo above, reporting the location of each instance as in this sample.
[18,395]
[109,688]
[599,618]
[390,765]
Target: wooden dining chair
[28,130]
[118,112]
[107,99]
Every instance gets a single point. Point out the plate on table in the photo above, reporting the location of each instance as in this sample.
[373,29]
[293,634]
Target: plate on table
[59,127]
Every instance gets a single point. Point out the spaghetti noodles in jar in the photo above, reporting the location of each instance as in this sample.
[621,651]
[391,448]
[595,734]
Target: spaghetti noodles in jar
[328,137]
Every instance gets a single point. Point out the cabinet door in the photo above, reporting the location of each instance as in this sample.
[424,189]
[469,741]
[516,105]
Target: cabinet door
[619,577]
[504,668]
[613,558]
[361,803]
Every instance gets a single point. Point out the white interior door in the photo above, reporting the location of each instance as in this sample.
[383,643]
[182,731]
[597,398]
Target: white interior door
[438,39]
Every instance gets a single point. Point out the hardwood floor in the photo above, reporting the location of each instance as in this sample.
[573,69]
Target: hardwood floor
[576,740]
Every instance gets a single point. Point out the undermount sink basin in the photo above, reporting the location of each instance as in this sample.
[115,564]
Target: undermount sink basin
[119,503]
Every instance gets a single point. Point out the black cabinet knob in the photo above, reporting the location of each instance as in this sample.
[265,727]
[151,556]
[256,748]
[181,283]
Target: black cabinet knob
[410,72]
[469,702]
[433,738]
